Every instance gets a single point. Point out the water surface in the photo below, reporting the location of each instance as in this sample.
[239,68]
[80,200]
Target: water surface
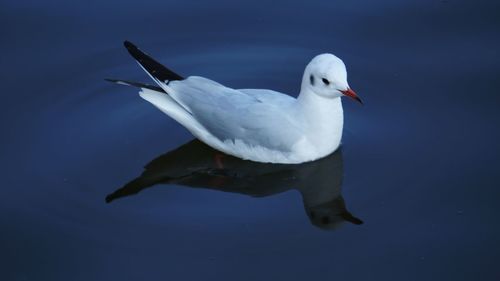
[419,160]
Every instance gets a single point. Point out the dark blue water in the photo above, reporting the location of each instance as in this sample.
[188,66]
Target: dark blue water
[419,163]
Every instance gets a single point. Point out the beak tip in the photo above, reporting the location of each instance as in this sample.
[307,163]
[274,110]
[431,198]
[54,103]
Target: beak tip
[350,93]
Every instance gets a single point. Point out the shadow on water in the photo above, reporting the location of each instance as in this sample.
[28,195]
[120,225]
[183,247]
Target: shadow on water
[195,164]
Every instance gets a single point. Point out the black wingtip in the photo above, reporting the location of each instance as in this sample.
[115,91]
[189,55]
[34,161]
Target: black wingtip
[134,51]
[153,67]
[135,84]
[109,198]
[129,45]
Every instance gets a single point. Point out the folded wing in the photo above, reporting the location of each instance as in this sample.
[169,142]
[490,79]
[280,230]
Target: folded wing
[232,115]
[255,117]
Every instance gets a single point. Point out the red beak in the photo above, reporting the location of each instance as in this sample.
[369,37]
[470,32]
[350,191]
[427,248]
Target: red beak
[350,93]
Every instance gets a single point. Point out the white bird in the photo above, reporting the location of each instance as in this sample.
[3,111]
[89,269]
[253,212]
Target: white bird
[254,124]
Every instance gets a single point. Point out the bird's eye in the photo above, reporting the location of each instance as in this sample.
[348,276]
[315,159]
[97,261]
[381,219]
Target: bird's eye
[311,78]
[325,81]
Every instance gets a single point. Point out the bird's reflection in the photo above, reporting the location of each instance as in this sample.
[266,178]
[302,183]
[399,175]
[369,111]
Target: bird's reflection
[196,165]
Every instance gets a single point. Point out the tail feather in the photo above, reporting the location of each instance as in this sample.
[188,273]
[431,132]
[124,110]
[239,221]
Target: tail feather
[136,84]
[154,68]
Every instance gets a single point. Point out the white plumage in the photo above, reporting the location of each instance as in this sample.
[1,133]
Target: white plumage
[256,124]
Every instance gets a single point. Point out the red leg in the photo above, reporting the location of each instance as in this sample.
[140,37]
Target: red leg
[218,160]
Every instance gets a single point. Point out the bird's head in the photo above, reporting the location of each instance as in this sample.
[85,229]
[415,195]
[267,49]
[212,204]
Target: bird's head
[326,76]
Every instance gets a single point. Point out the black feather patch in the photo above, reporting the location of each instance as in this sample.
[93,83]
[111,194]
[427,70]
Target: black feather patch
[156,69]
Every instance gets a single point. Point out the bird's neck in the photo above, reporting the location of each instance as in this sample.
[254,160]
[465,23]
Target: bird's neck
[323,117]
[320,108]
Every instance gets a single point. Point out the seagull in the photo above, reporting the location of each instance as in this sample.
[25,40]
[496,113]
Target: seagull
[260,125]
